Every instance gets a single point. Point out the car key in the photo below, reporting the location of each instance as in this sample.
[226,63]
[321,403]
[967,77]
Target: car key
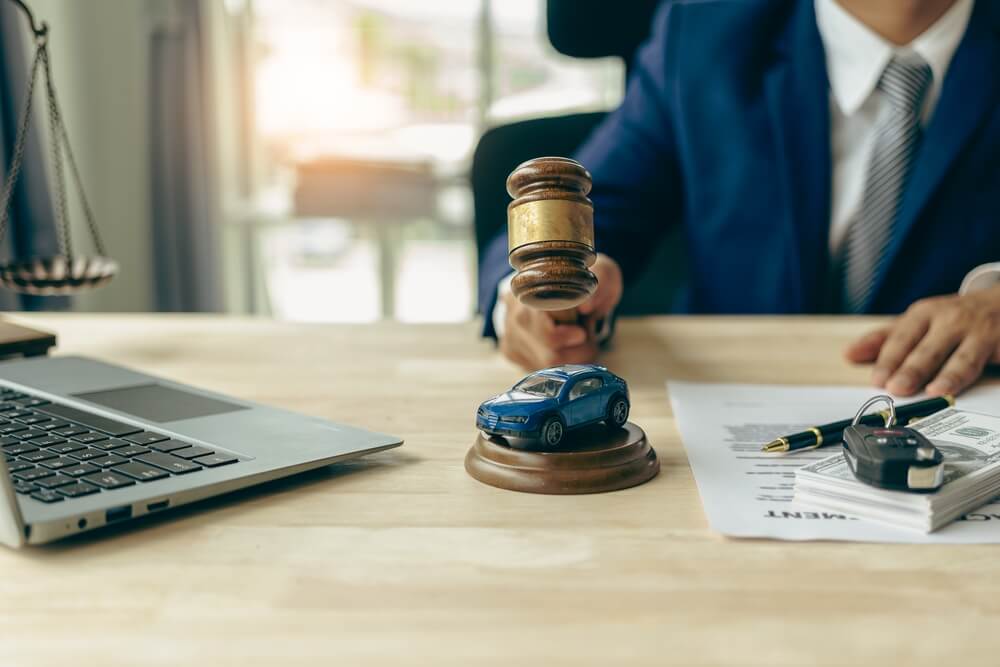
[890,456]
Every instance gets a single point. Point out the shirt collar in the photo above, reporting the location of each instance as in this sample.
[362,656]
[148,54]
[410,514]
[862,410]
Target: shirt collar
[856,55]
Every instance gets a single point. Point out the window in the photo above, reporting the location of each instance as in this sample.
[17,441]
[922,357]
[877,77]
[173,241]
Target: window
[365,116]
[540,386]
[584,387]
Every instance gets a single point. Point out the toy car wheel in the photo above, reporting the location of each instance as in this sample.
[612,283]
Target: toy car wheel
[552,432]
[618,412]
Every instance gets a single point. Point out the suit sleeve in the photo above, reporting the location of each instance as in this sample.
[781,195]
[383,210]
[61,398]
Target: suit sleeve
[493,268]
[632,158]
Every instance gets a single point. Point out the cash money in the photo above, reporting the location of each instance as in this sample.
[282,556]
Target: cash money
[970,443]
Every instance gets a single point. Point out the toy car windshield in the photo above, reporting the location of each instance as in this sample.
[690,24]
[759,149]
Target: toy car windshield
[540,385]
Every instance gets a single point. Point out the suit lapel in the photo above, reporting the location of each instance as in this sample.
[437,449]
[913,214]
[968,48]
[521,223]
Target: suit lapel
[969,92]
[798,99]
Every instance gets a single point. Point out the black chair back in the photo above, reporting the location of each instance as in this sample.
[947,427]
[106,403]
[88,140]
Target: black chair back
[599,28]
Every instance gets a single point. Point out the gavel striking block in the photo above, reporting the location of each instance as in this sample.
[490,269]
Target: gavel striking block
[551,248]
[550,226]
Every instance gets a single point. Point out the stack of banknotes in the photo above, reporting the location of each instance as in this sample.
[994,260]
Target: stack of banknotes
[970,443]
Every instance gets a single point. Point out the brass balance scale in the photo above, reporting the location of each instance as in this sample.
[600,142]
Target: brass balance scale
[65,273]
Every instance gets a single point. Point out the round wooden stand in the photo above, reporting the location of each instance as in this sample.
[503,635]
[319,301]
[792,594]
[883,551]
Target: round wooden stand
[593,460]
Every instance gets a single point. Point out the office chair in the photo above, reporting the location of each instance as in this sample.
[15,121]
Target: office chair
[580,29]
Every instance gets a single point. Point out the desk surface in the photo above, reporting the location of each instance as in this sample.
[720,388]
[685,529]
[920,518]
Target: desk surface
[402,558]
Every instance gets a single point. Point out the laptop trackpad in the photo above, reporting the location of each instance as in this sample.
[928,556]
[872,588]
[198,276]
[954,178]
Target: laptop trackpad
[154,402]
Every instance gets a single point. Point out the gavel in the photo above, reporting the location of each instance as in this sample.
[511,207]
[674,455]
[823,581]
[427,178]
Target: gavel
[550,227]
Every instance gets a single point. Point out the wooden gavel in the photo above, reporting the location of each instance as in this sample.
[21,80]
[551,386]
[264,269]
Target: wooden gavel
[550,226]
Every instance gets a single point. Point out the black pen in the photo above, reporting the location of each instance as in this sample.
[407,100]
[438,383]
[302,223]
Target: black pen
[833,434]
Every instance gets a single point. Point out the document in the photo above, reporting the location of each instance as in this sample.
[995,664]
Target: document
[747,493]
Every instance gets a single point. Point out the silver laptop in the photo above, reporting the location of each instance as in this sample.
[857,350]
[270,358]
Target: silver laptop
[85,444]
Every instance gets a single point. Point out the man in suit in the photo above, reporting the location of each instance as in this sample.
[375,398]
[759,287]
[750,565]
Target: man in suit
[823,156]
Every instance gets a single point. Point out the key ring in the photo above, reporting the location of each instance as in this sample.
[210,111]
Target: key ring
[890,419]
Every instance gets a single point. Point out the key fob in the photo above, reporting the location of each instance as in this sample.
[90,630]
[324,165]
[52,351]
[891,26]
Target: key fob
[893,457]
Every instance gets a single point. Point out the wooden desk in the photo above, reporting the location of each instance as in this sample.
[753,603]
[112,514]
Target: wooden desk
[403,559]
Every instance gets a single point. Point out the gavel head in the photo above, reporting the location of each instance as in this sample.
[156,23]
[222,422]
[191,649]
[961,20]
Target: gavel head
[550,227]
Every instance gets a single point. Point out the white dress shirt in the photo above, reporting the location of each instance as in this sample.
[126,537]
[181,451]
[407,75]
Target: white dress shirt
[855,59]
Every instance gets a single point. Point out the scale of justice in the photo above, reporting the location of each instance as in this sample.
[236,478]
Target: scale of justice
[562,430]
[66,272]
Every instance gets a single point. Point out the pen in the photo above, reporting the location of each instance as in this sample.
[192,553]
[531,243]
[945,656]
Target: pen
[832,434]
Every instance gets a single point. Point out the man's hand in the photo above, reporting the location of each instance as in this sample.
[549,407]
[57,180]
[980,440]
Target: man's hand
[942,342]
[534,340]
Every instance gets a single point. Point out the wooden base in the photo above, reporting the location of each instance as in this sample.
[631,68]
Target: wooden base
[593,460]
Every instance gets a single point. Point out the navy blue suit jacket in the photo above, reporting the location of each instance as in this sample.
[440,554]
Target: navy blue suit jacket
[725,129]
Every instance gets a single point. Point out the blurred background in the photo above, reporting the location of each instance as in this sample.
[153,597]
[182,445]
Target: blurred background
[307,160]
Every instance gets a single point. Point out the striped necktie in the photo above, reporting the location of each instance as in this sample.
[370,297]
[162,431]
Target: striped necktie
[897,138]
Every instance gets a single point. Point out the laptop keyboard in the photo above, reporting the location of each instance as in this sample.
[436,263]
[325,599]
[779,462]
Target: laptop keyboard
[55,452]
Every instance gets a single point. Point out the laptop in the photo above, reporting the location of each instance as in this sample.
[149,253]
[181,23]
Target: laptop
[84,444]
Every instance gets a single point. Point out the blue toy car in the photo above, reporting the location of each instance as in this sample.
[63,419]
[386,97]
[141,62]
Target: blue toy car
[546,404]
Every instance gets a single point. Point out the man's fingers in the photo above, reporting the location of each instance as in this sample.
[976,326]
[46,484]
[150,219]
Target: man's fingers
[516,353]
[924,361]
[579,354]
[539,320]
[601,303]
[865,349]
[592,305]
[904,334]
[963,367]
[528,351]
[533,339]
[609,288]
[563,336]
[523,341]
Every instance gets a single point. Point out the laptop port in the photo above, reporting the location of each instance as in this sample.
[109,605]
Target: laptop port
[118,514]
[158,505]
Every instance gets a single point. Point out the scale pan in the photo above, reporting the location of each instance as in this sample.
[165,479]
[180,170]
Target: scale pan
[57,275]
